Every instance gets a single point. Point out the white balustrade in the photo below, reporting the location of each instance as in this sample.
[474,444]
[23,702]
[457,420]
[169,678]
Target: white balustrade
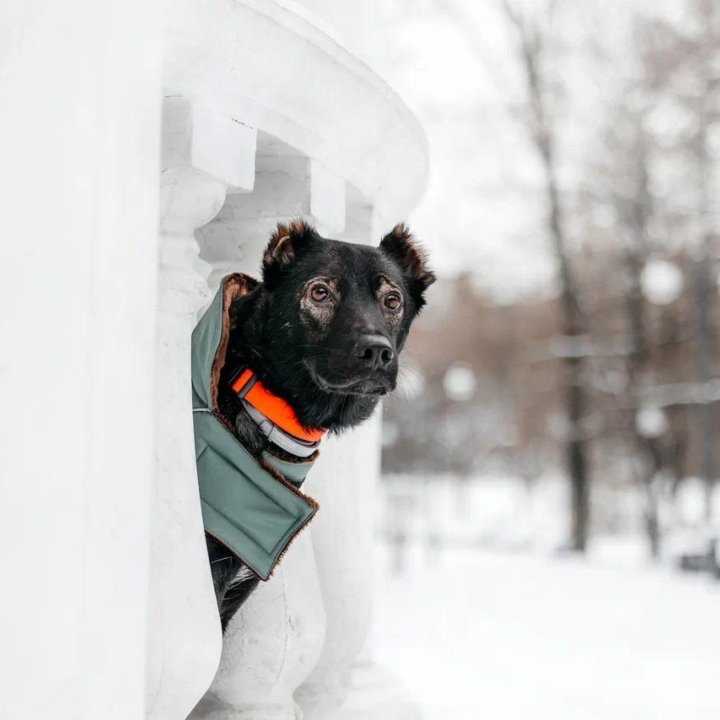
[333,144]
[185,639]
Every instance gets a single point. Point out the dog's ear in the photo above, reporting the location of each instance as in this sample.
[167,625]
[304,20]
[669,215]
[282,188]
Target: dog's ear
[286,244]
[402,247]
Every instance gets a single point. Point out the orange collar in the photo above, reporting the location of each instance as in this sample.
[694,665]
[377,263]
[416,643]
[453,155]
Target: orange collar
[275,409]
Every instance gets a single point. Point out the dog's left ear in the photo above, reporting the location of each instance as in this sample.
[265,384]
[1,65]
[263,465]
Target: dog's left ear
[400,245]
[287,242]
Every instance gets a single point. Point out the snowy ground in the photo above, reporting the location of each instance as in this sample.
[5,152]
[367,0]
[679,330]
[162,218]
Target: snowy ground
[477,634]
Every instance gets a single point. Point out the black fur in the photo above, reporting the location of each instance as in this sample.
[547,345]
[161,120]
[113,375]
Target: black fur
[310,353]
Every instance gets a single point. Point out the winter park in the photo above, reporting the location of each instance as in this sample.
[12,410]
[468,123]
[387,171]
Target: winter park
[360,360]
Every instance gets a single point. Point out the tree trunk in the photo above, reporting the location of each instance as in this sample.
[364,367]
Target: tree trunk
[648,449]
[704,361]
[573,324]
[705,332]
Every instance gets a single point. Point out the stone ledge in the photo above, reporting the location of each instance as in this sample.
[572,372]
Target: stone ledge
[269,67]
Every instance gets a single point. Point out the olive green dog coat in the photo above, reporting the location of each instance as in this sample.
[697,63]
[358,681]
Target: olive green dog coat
[254,510]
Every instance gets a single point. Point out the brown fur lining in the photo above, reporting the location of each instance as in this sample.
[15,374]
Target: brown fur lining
[233,287]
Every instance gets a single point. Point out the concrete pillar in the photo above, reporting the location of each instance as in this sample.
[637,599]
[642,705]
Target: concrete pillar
[203,154]
[79,126]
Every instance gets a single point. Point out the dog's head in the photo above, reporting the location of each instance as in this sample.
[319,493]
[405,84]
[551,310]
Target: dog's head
[336,316]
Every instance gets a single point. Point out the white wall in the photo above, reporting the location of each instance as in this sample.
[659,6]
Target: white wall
[79,110]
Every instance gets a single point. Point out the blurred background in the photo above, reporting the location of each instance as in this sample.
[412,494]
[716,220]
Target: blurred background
[550,462]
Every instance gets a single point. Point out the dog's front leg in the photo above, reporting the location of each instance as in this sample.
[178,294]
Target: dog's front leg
[232,580]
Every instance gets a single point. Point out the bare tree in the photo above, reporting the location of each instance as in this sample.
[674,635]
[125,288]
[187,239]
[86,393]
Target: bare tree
[533,43]
[633,205]
[707,53]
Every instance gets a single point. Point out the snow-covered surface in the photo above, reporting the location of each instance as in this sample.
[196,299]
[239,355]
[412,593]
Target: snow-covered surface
[505,513]
[475,634]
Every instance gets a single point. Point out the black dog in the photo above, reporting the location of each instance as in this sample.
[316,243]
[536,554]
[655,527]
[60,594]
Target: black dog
[322,331]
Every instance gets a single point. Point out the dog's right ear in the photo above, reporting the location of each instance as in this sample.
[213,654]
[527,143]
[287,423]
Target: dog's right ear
[286,244]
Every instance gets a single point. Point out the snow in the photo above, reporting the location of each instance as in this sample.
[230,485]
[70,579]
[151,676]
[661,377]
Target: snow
[480,634]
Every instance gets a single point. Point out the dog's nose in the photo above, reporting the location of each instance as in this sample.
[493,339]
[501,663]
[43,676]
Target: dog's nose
[375,351]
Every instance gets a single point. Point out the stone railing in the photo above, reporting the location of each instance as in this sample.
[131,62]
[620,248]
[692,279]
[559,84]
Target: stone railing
[265,118]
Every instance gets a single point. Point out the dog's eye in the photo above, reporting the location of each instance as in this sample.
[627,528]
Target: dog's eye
[319,293]
[393,301]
